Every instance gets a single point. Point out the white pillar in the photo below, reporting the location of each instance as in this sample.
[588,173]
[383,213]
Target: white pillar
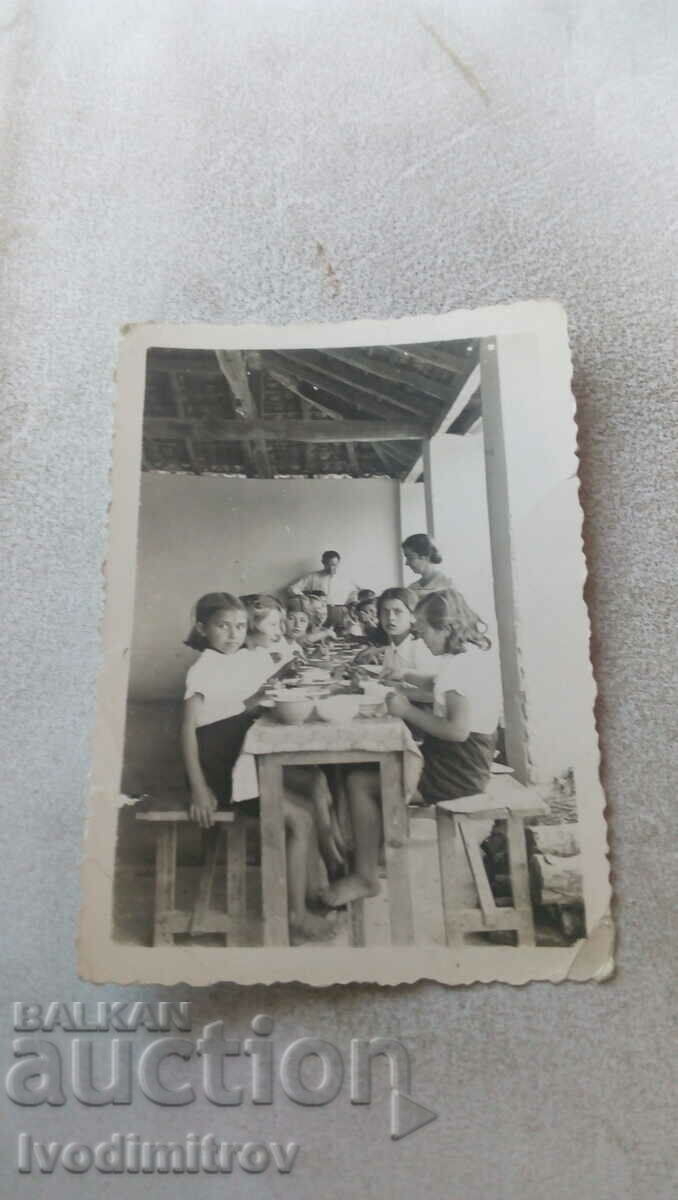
[503,566]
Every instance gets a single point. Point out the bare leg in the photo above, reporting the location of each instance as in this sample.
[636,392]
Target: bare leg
[365,805]
[309,785]
[299,829]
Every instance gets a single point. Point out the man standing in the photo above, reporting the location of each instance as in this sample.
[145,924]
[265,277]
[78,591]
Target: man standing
[335,584]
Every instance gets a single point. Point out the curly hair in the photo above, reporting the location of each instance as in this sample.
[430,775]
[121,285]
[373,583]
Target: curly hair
[448,610]
[259,606]
[206,607]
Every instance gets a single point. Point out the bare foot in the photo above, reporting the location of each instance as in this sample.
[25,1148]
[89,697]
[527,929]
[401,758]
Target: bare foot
[353,887]
[311,928]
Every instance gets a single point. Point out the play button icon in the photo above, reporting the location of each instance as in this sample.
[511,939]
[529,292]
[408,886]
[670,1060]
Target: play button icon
[407,1115]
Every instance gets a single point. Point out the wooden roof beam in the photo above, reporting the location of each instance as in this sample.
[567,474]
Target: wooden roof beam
[465,393]
[312,401]
[234,369]
[390,373]
[178,390]
[456,363]
[305,373]
[285,430]
[341,375]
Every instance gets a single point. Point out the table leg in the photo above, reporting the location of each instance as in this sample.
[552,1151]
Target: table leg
[273,855]
[236,882]
[395,844]
[520,880]
[165,881]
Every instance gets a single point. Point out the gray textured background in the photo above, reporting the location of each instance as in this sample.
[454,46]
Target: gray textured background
[283,160]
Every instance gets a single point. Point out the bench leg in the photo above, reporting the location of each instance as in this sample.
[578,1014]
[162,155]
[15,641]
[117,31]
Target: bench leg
[199,918]
[454,899]
[165,883]
[520,880]
[236,877]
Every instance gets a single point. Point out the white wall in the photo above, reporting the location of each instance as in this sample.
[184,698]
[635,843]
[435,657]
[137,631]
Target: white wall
[460,518]
[205,533]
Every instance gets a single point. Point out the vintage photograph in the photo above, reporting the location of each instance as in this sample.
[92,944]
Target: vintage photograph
[345,725]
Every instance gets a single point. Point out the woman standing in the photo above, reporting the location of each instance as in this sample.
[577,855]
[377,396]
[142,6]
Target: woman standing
[422,557]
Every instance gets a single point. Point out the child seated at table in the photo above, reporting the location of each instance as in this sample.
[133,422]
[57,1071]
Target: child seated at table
[318,629]
[459,734]
[297,622]
[367,612]
[265,628]
[355,629]
[224,689]
[406,657]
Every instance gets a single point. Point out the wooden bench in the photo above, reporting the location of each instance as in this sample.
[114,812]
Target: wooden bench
[461,861]
[166,814]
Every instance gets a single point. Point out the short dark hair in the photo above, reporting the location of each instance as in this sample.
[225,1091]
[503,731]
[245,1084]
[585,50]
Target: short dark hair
[206,607]
[366,603]
[408,597]
[421,545]
[328,554]
[316,596]
[366,594]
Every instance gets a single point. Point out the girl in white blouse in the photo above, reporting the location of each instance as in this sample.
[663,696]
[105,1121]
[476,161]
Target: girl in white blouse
[265,628]
[459,734]
[405,657]
[224,689]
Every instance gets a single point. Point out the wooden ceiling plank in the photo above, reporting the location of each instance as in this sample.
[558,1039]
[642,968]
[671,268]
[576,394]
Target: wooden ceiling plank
[260,453]
[178,390]
[309,463]
[399,454]
[386,460]
[468,389]
[285,430]
[404,376]
[330,387]
[456,363]
[319,372]
[380,453]
[352,458]
[289,384]
[233,366]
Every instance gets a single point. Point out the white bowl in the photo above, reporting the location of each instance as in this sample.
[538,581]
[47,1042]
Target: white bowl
[336,709]
[293,711]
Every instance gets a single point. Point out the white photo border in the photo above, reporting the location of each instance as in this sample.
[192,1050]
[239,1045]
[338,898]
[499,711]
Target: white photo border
[541,328]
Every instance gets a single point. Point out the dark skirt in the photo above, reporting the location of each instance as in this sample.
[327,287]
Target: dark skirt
[455,769]
[219,745]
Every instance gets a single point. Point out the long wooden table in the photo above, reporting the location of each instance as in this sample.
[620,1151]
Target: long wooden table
[385,741]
